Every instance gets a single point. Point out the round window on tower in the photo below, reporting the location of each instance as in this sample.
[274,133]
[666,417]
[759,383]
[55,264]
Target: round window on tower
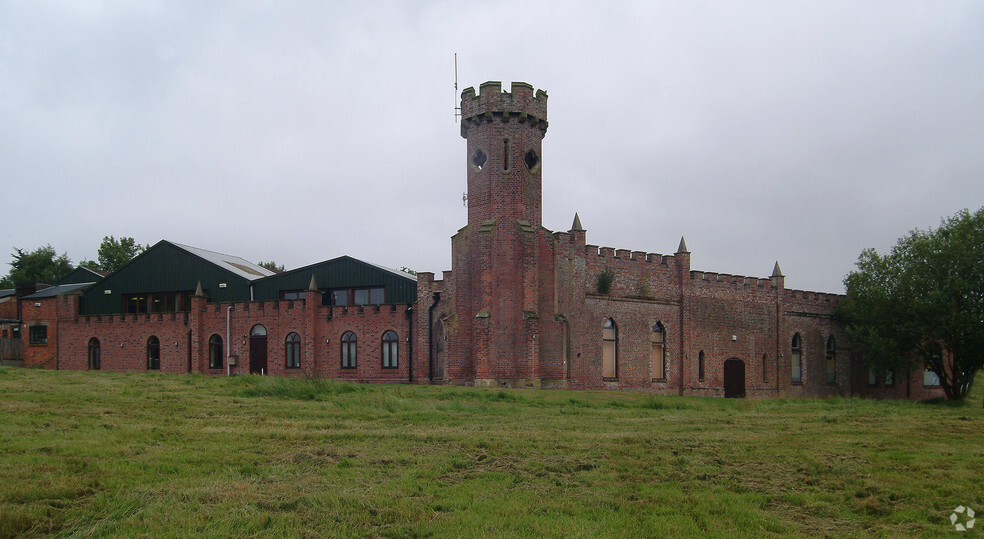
[478,160]
[532,161]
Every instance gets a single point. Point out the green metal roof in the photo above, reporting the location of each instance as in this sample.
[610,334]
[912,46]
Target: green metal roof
[172,267]
[169,267]
[341,272]
[81,275]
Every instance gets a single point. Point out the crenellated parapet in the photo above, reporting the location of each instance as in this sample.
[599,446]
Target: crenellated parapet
[594,252]
[730,280]
[492,104]
[807,296]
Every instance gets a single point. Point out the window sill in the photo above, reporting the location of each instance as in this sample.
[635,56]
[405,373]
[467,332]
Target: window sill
[349,368]
[796,383]
[659,380]
[391,368]
[604,379]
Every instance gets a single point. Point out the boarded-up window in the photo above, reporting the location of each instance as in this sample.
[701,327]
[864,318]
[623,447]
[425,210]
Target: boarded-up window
[658,352]
[609,362]
[831,361]
[796,359]
[765,367]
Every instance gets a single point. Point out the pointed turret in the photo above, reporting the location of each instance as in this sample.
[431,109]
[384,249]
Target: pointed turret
[577,224]
[778,280]
[199,293]
[683,246]
[314,284]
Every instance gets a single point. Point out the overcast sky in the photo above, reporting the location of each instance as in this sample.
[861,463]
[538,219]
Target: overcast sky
[801,132]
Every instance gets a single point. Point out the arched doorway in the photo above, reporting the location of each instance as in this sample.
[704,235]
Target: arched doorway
[734,379]
[258,350]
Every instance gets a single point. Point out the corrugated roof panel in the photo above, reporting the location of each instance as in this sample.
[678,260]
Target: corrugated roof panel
[240,266]
[58,290]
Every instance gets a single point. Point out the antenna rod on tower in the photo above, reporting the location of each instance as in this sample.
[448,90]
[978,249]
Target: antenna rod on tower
[457,109]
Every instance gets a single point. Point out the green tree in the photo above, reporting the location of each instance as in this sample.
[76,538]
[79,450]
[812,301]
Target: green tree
[923,303]
[42,265]
[271,265]
[114,254]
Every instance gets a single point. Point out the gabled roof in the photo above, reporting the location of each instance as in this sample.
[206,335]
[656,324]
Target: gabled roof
[7,292]
[340,272]
[240,266]
[82,274]
[396,272]
[59,290]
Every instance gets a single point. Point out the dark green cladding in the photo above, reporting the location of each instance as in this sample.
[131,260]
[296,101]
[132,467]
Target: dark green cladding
[341,272]
[164,268]
[168,268]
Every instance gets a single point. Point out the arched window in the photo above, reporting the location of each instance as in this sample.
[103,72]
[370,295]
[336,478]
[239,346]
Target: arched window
[831,361]
[153,354]
[94,360]
[609,361]
[215,352]
[700,366]
[796,359]
[293,350]
[657,354]
[765,367]
[348,350]
[389,350]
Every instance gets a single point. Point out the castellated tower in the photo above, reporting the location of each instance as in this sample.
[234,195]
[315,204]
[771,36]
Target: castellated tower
[499,258]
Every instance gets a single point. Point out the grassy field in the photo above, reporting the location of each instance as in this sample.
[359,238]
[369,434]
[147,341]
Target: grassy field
[171,455]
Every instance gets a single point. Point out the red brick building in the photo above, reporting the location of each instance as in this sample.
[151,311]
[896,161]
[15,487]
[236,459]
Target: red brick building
[521,305]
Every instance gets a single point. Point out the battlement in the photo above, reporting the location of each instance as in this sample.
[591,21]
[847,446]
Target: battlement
[810,296]
[521,105]
[625,254]
[729,279]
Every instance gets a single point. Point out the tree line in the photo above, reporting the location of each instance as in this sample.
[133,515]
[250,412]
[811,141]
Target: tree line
[45,265]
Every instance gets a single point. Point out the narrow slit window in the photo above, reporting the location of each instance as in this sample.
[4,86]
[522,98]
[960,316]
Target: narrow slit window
[658,352]
[215,352]
[700,366]
[609,361]
[796,359]
[153,354]
[831,361]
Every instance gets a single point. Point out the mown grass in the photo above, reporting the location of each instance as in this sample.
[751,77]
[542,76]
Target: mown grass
[171,455]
